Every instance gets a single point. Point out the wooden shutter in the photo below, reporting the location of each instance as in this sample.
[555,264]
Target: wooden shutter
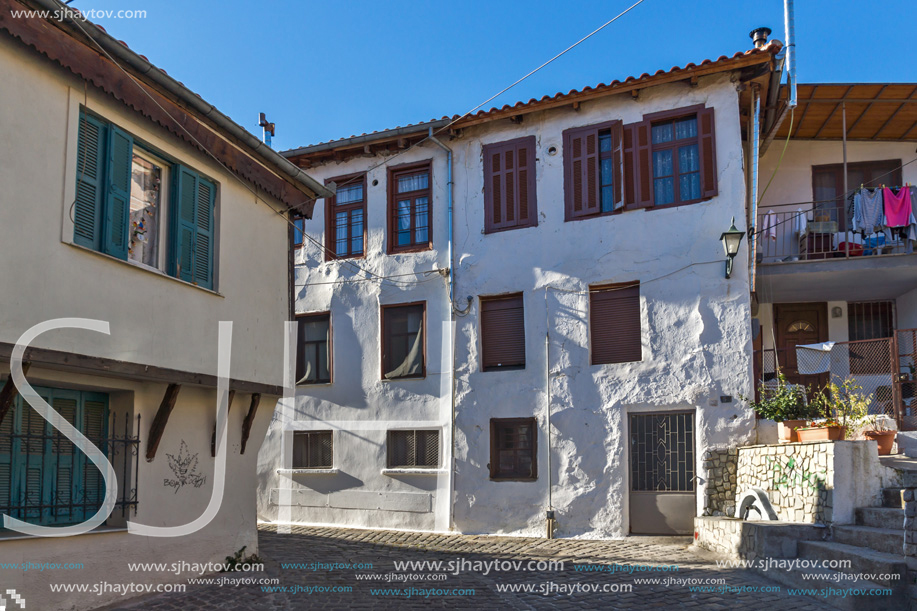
[61,463]
[203,242]
[617,160]
[6,456]
[92,141]
[581,172]
[509,185]
[184,223]
[95,428]
[502,333]
[643,165]
[629,152]
[706,138]
[614,322]
[118,195]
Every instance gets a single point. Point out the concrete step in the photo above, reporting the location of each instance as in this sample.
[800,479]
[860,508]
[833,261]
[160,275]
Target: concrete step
[834,582]
[882,567]
[881,517]
[884,540]
[891,497]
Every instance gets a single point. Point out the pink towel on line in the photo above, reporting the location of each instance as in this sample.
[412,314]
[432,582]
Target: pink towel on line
[897,207]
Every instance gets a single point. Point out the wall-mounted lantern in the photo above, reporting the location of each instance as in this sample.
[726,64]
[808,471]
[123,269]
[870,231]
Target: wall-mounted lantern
[731,239]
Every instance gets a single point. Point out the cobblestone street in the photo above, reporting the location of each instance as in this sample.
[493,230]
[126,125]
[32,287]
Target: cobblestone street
[328,585]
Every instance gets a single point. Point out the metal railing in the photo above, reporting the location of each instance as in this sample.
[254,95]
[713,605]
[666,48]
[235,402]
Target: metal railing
[793,233]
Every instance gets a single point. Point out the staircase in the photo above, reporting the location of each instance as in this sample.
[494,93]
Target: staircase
[873,546]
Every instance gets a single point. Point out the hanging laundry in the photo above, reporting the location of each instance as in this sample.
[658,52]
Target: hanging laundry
[870,211]
[913,191]
[850,211]
[800,221]
[770,225]
[897,207]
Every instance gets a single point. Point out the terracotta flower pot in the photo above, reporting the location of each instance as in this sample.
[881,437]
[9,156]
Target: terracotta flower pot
[821,433]
[885,439]
[788,429]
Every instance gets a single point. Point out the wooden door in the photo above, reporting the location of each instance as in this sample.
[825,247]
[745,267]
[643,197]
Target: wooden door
[799,324]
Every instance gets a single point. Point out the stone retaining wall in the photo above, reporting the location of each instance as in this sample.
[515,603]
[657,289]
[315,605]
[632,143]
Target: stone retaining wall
[720,467]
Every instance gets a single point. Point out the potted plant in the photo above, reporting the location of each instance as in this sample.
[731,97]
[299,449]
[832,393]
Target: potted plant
[842,405]
[785,403]
[879,431]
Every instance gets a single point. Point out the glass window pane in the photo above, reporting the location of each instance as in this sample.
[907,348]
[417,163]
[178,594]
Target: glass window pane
[414,182]
[299,226]
[340,235]
[607,171]
[605,142]
[356,232]
[662,133]
[686,128]
[689,186]
[662,164]
[420,221]
[404,222]
[664,191]
[607,199]
[688,159]
[349,194]
[146,182]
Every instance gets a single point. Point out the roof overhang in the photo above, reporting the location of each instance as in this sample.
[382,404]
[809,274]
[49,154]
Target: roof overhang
[88,52]
[874,112]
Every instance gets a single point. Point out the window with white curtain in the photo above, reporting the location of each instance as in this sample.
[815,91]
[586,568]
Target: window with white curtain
[313,352]
[403,341]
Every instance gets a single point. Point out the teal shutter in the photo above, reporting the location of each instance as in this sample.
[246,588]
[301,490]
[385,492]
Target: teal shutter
[203,243]
[95,427]
[59,464]
[192,237]
[6,458]
[92,142]
[118,195]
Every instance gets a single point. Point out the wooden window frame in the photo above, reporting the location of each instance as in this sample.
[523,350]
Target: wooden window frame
[389,445]
[492,299]
[384,343]
[326,314]
[616,131]
[298,219]
[394,173]
[668,116]
[308,435]
[525,142]
[599,288]
[494,467]
[331,210]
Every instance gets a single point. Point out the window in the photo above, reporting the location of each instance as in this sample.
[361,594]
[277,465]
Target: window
[409,208]
[509,185]
[120,207]
[512,449]
[614,323]
[313,449]
[345,214]
[313,356]
[402,341]
[413,449]
[669,158]
[44,478]
[592,170]
[828,183]
[870,320]
[299,228]
[502,333]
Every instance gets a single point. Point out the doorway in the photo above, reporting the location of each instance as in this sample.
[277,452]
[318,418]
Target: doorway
[798,324]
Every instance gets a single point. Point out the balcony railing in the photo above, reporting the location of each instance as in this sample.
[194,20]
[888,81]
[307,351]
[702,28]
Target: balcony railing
[788,233]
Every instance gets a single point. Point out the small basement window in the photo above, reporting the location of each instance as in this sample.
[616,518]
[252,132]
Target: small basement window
[313,450]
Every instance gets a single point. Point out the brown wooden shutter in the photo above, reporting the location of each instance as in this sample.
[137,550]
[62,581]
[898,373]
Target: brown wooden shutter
[614,322]
[643,185]
[502,332]
[628,141]
[509,184]
[706,137]
[581,172]
[617,159]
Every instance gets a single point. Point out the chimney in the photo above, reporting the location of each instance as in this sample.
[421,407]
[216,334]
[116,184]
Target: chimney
[759,36]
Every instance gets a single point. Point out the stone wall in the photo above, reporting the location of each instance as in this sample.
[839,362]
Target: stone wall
[720,494]
[798,479]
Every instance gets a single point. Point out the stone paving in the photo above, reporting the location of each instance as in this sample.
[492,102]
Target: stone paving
[345,589]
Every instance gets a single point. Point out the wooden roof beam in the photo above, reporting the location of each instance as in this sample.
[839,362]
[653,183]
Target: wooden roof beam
[893,115]
[249,419]
[831,114]
[213,436]
[159,422]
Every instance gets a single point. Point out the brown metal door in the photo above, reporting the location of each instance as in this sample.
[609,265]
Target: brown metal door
[662,482]
[798,324]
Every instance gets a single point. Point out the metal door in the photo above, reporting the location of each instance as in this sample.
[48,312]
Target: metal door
[662,482]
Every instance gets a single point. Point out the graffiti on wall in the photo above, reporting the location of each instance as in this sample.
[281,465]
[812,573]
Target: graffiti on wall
[184,467]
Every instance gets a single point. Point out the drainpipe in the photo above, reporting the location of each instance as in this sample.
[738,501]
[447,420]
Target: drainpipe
[450,280]
[789,25]
[754,140]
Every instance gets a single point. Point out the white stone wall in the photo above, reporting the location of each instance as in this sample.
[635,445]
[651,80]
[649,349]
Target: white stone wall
[696,340]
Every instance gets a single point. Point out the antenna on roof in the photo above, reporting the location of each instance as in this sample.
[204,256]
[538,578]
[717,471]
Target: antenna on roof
[267,129]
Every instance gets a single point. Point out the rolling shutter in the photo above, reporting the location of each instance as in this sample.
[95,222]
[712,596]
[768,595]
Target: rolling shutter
[118,193]
[614,321]
[706,137]
[509,185]
[92,141]
[502,333]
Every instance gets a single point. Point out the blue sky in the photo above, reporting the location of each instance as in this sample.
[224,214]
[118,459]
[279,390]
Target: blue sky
[330,69]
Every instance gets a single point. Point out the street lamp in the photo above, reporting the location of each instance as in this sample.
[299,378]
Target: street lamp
[731,239]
